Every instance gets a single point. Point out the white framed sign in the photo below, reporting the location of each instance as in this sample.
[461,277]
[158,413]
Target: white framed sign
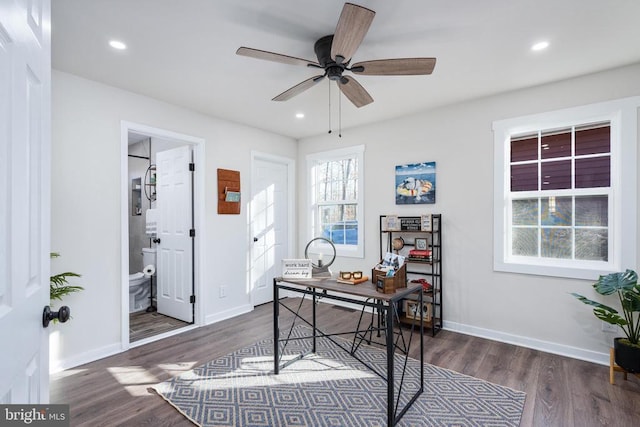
[296,269]
[425,223]
[391,223]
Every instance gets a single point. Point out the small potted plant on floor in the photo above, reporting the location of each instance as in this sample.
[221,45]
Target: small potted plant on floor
[625,285]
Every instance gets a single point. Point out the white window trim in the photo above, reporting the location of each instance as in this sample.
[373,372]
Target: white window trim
[338,154]
[623,115]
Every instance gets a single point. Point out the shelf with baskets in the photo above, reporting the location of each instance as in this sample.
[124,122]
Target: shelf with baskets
[419,240]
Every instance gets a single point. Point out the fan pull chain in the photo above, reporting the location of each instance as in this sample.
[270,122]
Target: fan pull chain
[329,86]
[339,116]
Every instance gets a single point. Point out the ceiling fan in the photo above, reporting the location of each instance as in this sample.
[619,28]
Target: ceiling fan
[334,54]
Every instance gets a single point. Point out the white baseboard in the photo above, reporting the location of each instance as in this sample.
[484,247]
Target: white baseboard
[546,346]
[112,349]
[228,314]
[86,357]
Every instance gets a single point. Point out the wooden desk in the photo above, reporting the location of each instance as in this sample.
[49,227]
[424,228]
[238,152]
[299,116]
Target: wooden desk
[365,295]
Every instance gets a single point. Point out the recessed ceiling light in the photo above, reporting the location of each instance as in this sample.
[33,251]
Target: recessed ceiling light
[540,46]
[299,115]
[117,44]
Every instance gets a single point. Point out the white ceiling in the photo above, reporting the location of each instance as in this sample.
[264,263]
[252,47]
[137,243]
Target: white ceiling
[183,52]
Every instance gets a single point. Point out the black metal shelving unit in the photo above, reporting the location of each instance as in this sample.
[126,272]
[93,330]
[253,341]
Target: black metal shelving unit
[409,228]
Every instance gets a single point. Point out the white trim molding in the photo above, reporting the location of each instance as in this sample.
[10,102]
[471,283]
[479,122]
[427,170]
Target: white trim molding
[535,344]
[623,117]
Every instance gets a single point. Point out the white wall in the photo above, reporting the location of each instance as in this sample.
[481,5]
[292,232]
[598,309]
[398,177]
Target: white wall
[86,207]
[532,310]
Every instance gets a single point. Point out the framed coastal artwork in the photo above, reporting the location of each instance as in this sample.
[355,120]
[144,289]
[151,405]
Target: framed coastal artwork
[416,183]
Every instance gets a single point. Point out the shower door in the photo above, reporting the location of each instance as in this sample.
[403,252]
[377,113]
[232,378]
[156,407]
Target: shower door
[174,190]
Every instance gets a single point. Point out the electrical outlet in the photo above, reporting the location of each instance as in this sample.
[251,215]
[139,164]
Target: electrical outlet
[223,291]
[608,327]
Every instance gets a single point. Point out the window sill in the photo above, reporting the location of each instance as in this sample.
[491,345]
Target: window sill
[586,271]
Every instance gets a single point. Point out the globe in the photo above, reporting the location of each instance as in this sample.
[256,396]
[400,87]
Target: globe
[397,243]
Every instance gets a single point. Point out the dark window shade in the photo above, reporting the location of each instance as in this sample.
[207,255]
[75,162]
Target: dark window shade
[556,175]
[556,144]
[593,140]
[524,148]
[593,172]
[524,177]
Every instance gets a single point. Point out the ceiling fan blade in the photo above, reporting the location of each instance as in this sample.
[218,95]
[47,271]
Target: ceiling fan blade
[352,26]
[354,91]
[395,67]
[299,88]
[275,57]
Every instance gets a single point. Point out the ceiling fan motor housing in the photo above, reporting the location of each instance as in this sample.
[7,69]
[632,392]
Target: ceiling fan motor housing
[323,52]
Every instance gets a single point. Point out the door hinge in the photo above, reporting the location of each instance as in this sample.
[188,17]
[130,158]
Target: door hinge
[192,167]
[192,299]
[192,232]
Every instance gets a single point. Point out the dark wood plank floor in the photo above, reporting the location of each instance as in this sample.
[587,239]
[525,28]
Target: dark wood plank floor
[147,324]
[560,391]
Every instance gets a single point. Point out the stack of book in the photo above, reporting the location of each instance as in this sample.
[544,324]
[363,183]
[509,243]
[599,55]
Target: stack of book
[419,255]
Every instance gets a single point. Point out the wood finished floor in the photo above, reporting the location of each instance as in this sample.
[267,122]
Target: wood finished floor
[147,324]
[560,391]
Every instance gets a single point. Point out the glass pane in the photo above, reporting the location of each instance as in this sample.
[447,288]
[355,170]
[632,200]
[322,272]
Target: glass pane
[556,144]
[556,211]
[592,211]
[592,244]
[556,175]
[525,241]
[556,243]
[590,140]
[524,148]
[524,177]
[524,212]
[593,172]
[337,180]
[338,223]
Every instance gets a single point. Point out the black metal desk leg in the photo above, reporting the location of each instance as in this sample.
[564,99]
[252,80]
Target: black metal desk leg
[422,341]
[390,352]
[315,331]
[276,329]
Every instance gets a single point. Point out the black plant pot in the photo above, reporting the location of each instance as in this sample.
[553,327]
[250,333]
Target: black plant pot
[627,355]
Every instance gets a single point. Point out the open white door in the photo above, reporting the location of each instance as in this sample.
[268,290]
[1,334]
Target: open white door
[25,145]
[175,255]
[269,226]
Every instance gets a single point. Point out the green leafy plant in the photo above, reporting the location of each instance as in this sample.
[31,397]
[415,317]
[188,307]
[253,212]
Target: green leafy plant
[626,286]
[59,285]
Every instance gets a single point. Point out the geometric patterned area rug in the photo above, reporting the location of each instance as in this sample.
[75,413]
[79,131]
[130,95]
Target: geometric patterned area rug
[330,388]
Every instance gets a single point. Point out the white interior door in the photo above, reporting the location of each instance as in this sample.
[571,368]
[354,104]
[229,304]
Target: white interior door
[269,226]
[25,110]
[174,253]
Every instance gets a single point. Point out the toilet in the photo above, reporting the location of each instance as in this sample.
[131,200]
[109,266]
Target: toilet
[140,285]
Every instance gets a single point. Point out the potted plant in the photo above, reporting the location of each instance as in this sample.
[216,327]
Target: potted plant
[59,285]
[625,286]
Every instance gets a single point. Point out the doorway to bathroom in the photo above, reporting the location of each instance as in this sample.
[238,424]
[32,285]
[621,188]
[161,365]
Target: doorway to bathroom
[160,248]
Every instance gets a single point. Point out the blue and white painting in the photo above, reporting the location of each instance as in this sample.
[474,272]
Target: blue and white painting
[416,183]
